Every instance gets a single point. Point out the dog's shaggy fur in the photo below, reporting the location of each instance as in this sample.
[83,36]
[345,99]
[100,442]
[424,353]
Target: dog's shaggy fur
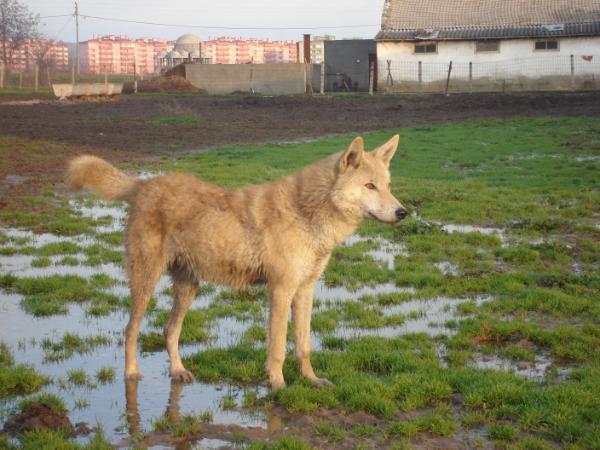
[280,233]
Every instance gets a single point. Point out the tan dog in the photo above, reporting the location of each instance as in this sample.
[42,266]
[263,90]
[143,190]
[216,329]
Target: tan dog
[281,233]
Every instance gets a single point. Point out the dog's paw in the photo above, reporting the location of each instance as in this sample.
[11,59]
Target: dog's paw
[133,376]
[183,376]
[277,385]
[321,382]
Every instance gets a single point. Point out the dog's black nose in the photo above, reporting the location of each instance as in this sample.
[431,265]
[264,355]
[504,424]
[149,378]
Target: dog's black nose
[401,213]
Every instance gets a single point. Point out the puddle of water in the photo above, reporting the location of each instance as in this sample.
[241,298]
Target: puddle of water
[530,156]
[450,228]
[125,408]
[108,402]
[387,249]
[535,370]
[326,293]
[583,158]
[428,316]
[447,268]
[212,444]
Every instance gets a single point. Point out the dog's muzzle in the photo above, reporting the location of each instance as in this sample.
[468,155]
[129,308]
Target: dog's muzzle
[401,213]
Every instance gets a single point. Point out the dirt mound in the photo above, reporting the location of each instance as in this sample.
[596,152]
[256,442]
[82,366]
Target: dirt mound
[170,84]
[39,416]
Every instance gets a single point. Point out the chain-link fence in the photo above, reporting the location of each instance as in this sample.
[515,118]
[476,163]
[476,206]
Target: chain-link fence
[571,72]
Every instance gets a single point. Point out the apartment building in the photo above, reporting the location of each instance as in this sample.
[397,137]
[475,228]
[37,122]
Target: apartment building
[229,50]
[121,54]
[42,52]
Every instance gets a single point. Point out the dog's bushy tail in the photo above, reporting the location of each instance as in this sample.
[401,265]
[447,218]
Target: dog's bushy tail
[100,177]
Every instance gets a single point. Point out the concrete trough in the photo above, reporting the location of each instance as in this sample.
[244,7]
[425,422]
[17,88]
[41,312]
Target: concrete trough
[66,90]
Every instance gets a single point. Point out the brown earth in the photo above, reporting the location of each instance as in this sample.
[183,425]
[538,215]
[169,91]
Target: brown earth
[36,139]
[39,416]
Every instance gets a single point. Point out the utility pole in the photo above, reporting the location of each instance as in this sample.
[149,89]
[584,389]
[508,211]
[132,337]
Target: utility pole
[77,37]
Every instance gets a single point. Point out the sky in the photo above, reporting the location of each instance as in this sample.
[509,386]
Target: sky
[274,19]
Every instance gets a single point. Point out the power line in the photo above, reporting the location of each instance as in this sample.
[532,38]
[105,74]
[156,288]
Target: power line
[224,28]
[63,27]
[50,17]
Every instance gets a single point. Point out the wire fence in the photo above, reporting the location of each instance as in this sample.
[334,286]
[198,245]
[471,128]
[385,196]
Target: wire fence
[43,77]
[570,72]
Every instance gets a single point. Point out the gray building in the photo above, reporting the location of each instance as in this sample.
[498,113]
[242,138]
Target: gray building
[347,64]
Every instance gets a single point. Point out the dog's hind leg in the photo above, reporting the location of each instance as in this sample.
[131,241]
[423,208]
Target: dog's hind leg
[146,263]
[185,288]
[301,312]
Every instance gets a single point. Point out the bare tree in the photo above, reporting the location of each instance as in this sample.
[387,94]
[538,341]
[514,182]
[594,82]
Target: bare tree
[43,57]
[17,25]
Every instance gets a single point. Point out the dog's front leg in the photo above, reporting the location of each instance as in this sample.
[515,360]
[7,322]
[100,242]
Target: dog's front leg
[301,314]
[281,299]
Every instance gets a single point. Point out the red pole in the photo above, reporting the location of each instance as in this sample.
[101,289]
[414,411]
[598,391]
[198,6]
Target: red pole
[307,48]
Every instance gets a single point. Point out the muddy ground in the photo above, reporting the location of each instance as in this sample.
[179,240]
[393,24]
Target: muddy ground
[130,128]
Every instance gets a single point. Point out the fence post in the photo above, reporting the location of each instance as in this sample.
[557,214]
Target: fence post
[448,79]
[134,80]
[572,72]
[20,80]
[37,77]
[105,77]
[371,77]
[471,76]
[323,77]
[72,74]
[389,80]
[251,80]
[420,75]
[1,75]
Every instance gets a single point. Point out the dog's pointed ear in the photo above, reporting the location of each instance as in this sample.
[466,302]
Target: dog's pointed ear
[387,150]
[353,156]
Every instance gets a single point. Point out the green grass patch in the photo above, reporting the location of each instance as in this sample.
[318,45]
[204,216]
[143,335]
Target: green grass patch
[17,379]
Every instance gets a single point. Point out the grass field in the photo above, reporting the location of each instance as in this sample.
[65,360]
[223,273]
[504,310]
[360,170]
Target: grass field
[475,321]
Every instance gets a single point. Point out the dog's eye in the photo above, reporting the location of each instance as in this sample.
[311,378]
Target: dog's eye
[370,186]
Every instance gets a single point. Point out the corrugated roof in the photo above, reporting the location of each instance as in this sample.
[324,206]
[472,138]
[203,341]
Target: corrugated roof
[467,19]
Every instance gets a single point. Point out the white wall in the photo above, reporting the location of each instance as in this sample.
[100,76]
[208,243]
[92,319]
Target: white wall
[516,58]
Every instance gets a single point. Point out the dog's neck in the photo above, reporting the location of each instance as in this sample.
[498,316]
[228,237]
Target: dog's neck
[313,187]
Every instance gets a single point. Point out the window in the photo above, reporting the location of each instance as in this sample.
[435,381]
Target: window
[546,45]
[425,48]
[487,46]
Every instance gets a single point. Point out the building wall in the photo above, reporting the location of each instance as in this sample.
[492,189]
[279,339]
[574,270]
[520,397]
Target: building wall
[261,78]
[515,66]
[348,60]
[520,51]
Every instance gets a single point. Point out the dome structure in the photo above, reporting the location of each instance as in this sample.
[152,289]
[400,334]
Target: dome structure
[188,43]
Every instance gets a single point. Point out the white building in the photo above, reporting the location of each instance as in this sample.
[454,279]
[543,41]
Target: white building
[514,41]
[187,49]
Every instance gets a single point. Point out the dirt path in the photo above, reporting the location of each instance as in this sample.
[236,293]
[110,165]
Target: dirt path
[36,139]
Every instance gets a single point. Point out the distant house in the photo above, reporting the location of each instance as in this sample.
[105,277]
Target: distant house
[515,38]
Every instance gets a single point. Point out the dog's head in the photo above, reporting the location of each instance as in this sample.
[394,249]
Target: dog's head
[362,186]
